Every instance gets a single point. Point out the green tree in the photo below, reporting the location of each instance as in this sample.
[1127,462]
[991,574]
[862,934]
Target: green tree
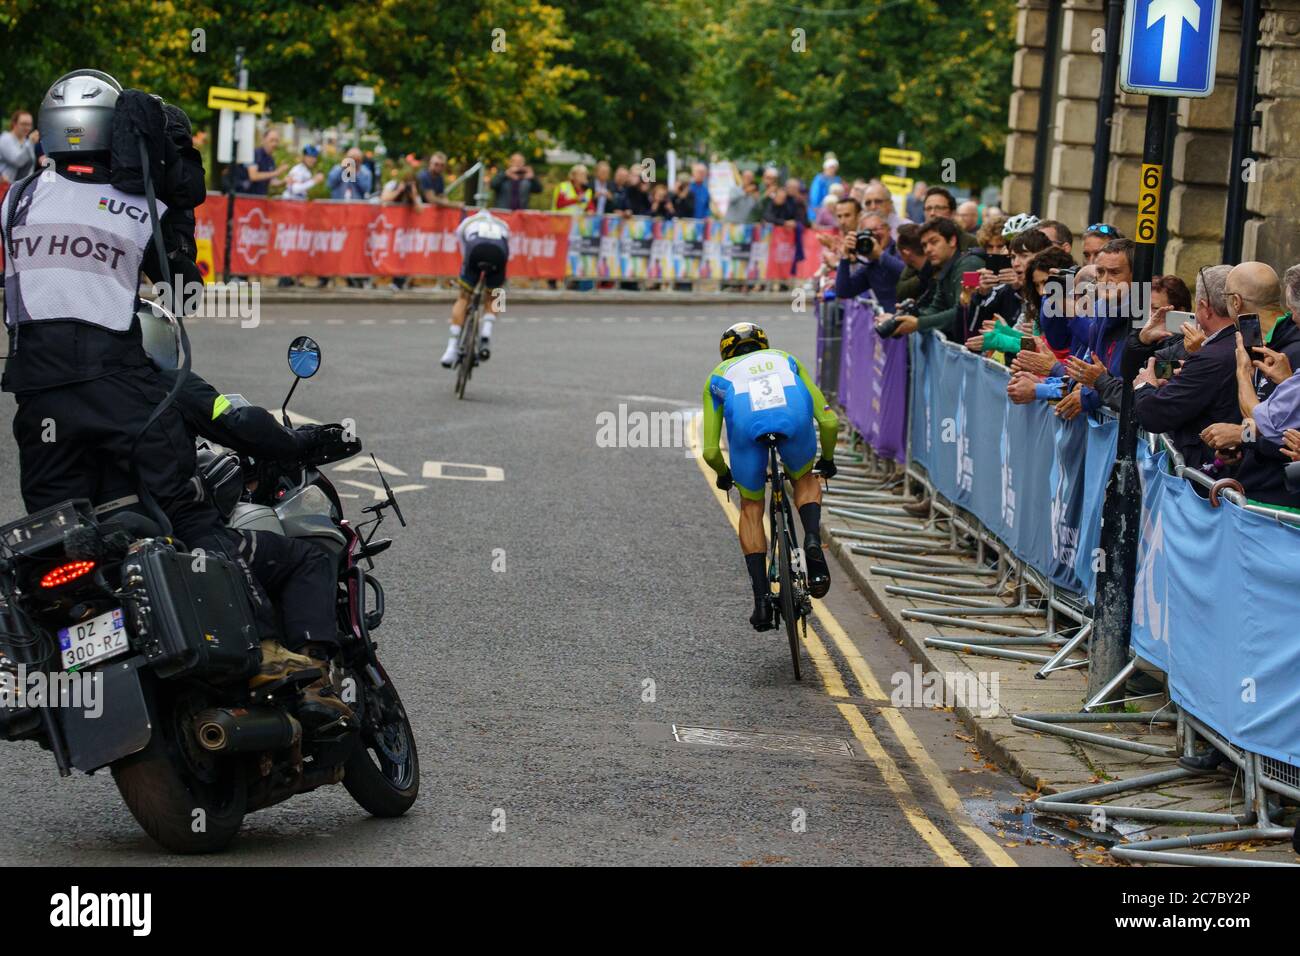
[635,63]
[474,78]
[793,82]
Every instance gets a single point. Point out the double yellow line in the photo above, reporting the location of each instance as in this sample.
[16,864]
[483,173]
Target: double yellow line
[871,689]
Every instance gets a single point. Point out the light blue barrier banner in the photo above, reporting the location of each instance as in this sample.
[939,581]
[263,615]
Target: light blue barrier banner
[1214,608]
[1036,482]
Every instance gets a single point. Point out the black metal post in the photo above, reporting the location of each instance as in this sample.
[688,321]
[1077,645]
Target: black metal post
[1243,127]
[1122,512]
[1045,101]
[1105,111]
[230,170]
[1167,160]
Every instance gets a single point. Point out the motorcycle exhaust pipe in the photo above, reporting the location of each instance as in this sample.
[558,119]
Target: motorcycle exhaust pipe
[244,729]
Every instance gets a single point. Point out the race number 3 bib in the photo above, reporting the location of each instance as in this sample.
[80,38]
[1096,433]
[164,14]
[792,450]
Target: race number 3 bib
[766,392]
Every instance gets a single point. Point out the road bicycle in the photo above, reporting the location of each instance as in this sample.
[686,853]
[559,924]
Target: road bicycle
[792,601]
[468,347]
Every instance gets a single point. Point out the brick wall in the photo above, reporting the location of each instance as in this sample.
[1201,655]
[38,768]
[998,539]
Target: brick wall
[1200,170]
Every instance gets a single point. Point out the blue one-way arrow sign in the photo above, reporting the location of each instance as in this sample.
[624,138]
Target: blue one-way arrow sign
[1170,47]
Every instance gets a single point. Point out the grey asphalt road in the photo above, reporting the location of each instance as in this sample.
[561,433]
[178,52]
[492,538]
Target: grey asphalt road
[549,629]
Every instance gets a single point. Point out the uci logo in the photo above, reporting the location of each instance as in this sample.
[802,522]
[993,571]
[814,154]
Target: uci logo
[117,206]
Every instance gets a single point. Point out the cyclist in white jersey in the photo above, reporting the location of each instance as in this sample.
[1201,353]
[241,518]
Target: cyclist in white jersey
[484,242]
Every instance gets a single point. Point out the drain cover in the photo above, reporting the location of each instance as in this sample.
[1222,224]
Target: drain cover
[811,745]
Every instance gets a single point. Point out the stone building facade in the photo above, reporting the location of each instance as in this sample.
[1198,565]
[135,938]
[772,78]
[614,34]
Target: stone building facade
[1199,173]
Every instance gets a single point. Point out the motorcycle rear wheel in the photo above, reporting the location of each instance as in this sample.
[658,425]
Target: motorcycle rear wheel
[185,802]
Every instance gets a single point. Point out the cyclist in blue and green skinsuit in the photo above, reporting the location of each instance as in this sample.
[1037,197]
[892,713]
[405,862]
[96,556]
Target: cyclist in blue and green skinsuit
[757,391]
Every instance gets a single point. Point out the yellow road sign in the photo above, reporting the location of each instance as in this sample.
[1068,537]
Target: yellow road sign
[241,101]
[900,157]
[897,184]
[206,260]
[1148,221]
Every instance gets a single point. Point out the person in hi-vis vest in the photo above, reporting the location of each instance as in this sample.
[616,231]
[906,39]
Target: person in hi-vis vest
[573,196]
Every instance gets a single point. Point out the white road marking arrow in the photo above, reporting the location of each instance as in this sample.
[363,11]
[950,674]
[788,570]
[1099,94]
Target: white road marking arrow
[378,490]
[1173,12]
[360,463]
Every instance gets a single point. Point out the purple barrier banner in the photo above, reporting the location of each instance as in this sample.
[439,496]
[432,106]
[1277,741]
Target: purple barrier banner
[873,382]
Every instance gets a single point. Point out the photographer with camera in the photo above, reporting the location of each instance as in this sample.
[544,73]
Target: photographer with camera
[515,185]
[402,189]
[868,259]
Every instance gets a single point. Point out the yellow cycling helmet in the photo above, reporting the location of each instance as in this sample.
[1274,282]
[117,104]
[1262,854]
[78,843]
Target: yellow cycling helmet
[740,335]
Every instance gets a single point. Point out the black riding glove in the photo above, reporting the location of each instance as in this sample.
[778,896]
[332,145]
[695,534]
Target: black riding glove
[326,443]
[826,468]
[724,482]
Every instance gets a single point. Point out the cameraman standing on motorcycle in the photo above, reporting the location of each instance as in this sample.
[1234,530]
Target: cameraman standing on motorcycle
[84,385]
[74,247]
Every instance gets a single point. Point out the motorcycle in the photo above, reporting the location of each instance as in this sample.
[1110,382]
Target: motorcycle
[121,650]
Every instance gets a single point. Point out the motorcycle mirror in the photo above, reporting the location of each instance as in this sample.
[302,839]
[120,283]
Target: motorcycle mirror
[304,362]
[304,356]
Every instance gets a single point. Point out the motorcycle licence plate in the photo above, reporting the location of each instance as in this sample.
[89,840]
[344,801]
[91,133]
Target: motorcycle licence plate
[94,640]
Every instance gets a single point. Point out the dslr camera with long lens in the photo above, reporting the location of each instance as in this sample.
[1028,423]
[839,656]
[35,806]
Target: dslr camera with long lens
[887,328]
[864,243]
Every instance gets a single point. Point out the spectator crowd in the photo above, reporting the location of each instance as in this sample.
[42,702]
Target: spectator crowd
[1213,367]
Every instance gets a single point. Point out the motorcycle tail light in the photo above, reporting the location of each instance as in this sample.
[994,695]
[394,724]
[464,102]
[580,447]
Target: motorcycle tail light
[66,572]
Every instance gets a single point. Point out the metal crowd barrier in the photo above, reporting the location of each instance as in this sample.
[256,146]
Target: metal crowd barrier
[921,558]
[830,340]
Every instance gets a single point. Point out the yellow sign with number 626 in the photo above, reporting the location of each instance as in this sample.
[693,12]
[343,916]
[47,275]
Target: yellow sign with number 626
[1148,217]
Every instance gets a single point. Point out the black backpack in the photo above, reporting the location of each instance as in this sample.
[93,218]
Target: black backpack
[186,183]
[139,115]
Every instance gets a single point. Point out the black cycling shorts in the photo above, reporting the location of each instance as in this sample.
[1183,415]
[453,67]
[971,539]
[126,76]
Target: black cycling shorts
[485,255]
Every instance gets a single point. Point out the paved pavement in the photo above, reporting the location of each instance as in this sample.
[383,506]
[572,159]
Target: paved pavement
[545,695]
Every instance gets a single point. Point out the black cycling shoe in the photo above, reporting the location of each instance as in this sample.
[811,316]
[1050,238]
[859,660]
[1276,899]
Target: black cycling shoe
[762,619]
[819,575]
[484,348]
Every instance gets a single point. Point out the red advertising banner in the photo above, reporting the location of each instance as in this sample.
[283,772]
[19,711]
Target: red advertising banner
[781,253]
[283,237]
[280,237]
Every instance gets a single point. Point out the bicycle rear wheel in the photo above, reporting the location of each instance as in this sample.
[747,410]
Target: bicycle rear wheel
[789,609]
[790,605]
[468,345]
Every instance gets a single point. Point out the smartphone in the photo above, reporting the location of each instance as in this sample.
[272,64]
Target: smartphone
[997,263]
[1248,325]
[1174,321]
[970,280]
[1165,369]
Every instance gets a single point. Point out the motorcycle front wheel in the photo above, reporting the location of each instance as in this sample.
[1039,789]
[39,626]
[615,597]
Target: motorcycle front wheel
[383,773]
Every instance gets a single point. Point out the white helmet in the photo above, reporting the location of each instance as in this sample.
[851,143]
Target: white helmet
[161,335]
[1018,224]
[76,115]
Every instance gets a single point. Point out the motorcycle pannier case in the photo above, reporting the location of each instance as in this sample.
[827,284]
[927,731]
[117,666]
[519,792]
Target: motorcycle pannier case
[196,617]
